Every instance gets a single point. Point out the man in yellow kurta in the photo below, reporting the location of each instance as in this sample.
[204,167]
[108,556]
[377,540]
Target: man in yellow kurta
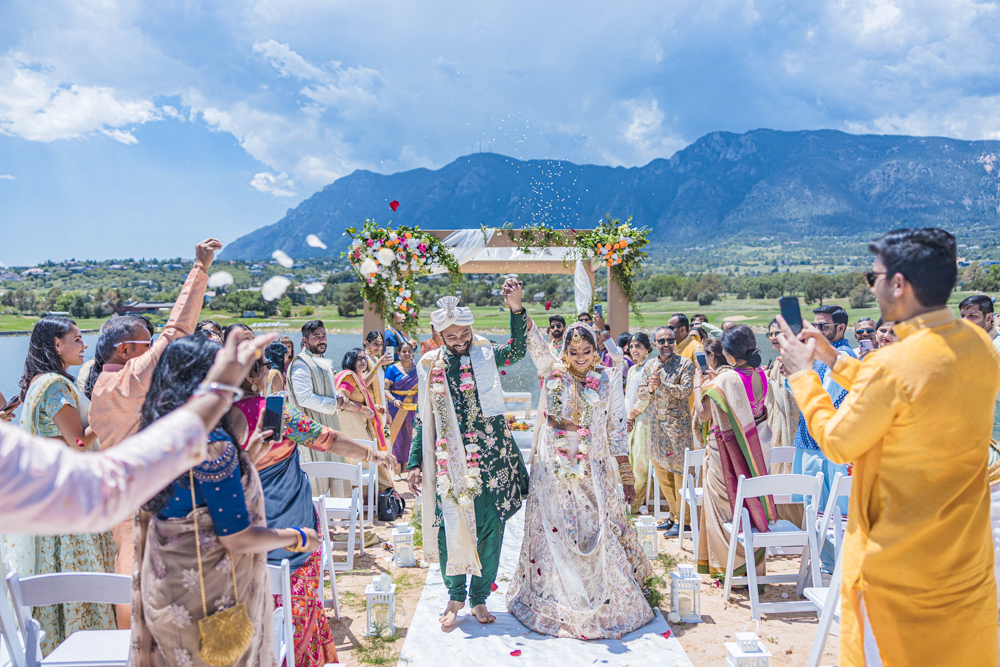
[918,585]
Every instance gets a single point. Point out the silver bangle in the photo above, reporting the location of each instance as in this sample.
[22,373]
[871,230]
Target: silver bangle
[233,393]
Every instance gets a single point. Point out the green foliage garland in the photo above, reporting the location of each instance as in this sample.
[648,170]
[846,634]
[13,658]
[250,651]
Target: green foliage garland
[619,246]
[387,262]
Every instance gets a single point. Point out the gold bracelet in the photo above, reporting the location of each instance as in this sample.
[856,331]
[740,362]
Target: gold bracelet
[369,454]
[199,265]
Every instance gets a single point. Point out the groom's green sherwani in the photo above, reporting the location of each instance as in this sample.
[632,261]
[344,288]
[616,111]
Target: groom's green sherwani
[505,479]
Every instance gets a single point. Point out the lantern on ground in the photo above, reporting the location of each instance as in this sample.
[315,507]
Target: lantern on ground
[620,492]
[648,539]
[685,594]
[380,596]
[402,545]
[747,650]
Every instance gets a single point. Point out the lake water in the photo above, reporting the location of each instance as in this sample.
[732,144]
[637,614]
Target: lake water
[521,376]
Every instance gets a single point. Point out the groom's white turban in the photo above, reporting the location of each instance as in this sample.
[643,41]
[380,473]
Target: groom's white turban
[450,313]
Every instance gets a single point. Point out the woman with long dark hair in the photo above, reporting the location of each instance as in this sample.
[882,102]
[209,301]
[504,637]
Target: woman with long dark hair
[730,400]
[275,356]
[360,413]
[377,361]
[202,542]
[638,420]
[54,407]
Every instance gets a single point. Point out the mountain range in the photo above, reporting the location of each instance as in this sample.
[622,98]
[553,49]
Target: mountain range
[724,186]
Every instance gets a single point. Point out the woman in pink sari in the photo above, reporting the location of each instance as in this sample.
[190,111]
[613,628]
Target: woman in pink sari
[360,414]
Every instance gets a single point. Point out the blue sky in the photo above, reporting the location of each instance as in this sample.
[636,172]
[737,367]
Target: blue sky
[132,129]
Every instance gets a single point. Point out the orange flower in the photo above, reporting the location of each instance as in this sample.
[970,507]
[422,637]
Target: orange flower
[409,235]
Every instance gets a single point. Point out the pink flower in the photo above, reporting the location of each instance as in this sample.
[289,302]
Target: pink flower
[368,243]
[422,247]
[442,442]
[580,457]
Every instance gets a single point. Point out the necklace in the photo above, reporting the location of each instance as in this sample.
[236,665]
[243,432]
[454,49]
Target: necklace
[578,374]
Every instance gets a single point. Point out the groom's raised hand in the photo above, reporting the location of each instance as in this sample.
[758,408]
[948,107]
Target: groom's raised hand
[413,479]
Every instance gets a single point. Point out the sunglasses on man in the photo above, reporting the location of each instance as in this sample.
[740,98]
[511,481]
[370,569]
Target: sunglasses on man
[665,341]
[872,276]
[865,331]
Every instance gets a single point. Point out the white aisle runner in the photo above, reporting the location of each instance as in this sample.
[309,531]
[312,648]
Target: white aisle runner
[472,644]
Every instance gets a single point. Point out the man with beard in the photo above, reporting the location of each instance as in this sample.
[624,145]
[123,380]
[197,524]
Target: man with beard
[557,326]
[311,390]
[464,446]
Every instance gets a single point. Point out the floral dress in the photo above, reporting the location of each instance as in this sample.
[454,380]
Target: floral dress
[46,554]
[581,568]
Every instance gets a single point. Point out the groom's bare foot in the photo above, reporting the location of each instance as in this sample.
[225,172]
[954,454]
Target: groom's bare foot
[483,616]
[450,614]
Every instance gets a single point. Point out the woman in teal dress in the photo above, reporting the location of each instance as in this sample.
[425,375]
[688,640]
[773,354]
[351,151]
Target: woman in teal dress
[55,408]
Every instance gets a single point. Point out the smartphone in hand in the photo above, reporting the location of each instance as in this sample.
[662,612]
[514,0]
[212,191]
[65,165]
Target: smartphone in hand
[599,309]
[274,408]
[790,312]
[699,356]
[866,346]
[12,403]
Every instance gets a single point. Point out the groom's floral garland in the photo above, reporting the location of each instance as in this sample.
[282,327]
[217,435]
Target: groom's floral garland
[567,464]
[473,480]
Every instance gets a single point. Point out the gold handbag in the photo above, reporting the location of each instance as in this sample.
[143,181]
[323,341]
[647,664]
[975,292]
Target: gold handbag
[224,636]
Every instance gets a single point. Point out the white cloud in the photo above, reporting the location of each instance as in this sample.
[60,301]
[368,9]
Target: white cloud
[644,133]
[36,105]
[286,61]
[279,185]
[6,177]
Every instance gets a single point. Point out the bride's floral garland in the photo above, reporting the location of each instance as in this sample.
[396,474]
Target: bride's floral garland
[438,385]
[567,464]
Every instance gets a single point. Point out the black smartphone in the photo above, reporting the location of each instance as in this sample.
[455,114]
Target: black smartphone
[599,309]
[790,312]
[12,403]
[699,356]
[274,408]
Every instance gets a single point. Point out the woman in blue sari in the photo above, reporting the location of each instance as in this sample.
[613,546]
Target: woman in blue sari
[401,381]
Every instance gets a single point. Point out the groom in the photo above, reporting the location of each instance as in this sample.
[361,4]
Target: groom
[462,441]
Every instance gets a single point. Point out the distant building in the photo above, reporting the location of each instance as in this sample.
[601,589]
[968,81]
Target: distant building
[34,272]
[144,307]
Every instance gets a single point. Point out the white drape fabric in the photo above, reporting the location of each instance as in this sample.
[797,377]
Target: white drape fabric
[465,244]
[583,292]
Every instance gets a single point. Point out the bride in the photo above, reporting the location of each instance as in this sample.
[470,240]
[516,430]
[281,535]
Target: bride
[581,569]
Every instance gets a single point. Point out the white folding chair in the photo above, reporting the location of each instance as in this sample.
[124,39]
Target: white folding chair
[107,648]
[369,481]
[342,512]
[12,652]
[284,629]
[780,533]
[828,601]
[831,522]
[692,496]
[653,493]
[326,557]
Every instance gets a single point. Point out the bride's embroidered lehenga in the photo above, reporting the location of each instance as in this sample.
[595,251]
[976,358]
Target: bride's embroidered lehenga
[581,568]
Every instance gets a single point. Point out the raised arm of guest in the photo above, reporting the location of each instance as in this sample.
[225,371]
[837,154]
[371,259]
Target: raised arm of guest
[183,316]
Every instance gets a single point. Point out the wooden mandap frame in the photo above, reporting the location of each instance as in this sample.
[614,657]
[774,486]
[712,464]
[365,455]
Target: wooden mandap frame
[617,314]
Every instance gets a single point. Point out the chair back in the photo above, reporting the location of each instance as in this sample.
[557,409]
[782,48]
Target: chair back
[766,485]
[331,470]
[284,629]
[62,587]
[782,455]
[694,458]
[12,651]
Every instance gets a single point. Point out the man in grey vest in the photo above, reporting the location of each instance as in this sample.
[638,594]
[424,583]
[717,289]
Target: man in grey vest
[311,390]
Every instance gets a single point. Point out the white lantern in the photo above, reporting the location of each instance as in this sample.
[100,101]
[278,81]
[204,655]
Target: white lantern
[402,545]
[685,593]
[380,597]
[648,539]
[747,650]
[620,492]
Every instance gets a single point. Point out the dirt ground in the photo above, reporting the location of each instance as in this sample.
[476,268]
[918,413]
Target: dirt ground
[787,636]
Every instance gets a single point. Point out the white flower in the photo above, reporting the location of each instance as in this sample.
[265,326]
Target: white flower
[442,453]
[465,501]
[392,236]
[440,364]
[437,388]
[407,293]
[553,384]
[385,256]
[472,449]
[443,485]
[356,244]
[398,300]
[368,267]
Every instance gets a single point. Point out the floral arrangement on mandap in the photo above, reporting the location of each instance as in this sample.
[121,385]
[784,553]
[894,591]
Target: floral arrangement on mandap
[618,245]
[567,463]
[387,262]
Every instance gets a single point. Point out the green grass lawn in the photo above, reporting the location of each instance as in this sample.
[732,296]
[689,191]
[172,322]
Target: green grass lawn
[757,313]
